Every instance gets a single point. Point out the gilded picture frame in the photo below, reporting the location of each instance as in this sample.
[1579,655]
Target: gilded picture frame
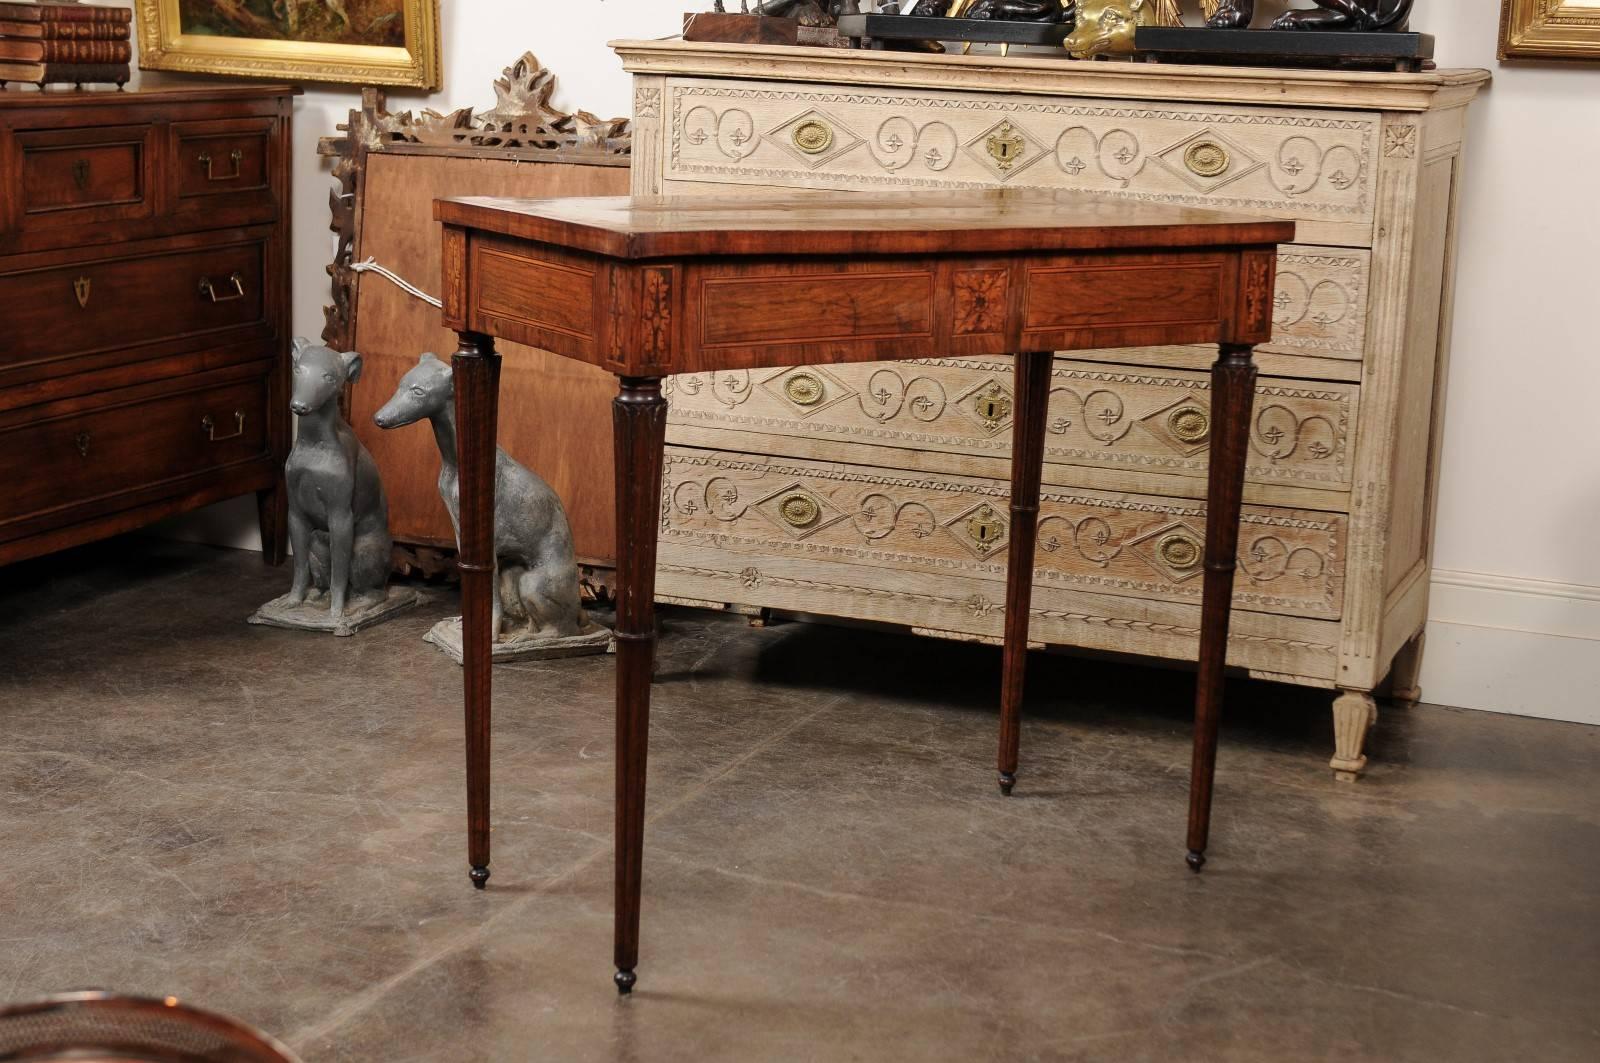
[367,42]
[1550,29]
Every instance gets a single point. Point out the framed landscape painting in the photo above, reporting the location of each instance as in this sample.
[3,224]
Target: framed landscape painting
[367,42]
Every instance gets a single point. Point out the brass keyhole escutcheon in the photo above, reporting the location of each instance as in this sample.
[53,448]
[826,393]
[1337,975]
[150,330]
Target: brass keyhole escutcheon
[799,511]
[81,288]
[82,442]
[1006,146]
[804,389]
[80,174]
[1189,424]
[992,407]
[1179,551]
[1206,158]
[813,137]
[985,528]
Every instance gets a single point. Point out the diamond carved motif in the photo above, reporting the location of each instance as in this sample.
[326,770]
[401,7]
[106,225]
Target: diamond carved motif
[981,530]
[807,390]
[1175,550]
[1005,149]
[989,406]
[813,138]
[798,511]
[1185,426]
[1207,160]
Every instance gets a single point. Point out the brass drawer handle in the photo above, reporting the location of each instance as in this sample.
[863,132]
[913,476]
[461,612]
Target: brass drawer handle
[1206,158]
[208,288]
[237,157]
[210,427]
[1190,424]
[813,137]
[799,511]
[80,174]
[1179,551]
[82,441]
[81,288]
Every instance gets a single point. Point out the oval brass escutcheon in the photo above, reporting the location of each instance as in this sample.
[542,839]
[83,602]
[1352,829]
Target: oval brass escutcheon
[799,511]
[1190,424]
[804,389]
[985,527]
[1206,158]
[1179,551]
[813,137]
[992,407]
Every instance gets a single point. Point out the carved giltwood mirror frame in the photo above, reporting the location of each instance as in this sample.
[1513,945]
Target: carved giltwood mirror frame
[1550,29]
[388,169]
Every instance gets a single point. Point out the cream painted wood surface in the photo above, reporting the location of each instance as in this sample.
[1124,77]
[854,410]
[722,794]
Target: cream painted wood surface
[897,472]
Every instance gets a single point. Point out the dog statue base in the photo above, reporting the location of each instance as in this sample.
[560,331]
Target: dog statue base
[592,640]
[313,613]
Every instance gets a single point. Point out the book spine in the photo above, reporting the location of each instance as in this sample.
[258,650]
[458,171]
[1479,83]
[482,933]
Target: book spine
[83,31]
[84,73]
[90,51]
[66,13]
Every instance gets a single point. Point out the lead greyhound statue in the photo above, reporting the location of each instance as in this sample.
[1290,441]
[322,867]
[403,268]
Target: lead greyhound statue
[338,517]
[537,612]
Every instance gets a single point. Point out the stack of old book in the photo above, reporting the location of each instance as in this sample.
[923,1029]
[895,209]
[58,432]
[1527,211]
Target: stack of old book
[64,43]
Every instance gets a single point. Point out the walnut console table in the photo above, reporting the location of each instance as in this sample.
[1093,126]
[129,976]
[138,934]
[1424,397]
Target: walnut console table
[648,287]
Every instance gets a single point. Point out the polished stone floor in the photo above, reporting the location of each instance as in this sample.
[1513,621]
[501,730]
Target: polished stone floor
[271,824]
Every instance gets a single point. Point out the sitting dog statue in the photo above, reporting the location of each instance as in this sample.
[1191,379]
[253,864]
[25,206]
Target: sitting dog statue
[338,517]
[537,612]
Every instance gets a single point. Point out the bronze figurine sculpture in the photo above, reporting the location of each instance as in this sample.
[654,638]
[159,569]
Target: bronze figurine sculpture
[1357,15]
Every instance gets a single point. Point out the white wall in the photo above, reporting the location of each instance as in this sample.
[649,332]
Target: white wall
[1516,602]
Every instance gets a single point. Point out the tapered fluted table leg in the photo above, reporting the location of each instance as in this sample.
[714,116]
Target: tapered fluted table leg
[1027,464]
[639,418]
[477,389]
[1233,381]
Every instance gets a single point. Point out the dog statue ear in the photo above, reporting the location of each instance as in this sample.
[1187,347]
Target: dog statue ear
[300,345]
[427,356]
[352,365]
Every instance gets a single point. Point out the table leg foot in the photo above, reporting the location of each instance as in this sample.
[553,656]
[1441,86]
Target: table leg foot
[479,876]
[1196,860]
[625,981]
[1008,779]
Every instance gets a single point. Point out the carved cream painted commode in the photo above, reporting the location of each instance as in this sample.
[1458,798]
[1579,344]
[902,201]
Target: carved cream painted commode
[879,491]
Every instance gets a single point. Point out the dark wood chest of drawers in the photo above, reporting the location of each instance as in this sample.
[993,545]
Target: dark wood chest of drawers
[144,309]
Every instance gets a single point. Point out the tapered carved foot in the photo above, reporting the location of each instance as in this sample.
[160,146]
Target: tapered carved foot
[625,981]
[1354,713]
[479,876]
[1405,671]
[1008,779]
[1196,860]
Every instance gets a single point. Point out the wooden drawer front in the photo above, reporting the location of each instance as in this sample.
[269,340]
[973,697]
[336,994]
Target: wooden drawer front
[103,304]
[224,162]
[1318,166]
[1319,305]
[1115,417]
[122,446]
[77,176]
[933,526]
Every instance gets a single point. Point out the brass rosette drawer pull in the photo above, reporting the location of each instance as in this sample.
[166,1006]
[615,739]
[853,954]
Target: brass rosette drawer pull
[804,389]
[236,156]
[1206,158]
[209,426]
[1190,424]
[1180,551]
[208,288]
[799,511]
[813,136]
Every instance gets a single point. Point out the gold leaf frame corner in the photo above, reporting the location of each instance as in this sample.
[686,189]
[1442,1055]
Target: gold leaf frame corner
[1549,29]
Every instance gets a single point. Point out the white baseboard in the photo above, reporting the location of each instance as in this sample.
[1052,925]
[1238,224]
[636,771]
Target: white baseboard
[1506,644]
